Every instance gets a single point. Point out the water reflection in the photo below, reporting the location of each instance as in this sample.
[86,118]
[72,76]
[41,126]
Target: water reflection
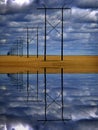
[48,97]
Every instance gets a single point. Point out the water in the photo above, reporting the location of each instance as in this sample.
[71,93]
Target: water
[48,101]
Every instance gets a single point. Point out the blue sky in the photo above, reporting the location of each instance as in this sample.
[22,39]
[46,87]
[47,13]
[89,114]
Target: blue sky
[80,26]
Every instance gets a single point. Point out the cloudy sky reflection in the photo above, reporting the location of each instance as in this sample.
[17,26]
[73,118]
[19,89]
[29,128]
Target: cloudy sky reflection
[79,89]
[26,102]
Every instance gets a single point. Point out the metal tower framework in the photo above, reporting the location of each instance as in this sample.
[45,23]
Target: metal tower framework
[48,100]
[54,100]
[54,27]
[29,89]
[17,48]
[29,40]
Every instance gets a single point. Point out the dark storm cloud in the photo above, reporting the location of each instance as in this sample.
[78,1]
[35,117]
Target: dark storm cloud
[87,4]
[5,9]
[10,8]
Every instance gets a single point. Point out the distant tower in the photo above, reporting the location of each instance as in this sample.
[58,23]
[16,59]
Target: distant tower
[8,53]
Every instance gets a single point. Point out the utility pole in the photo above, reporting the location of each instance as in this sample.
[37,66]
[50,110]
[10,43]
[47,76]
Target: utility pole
[45,87]
[27,42]
[17,47]
[20,46]
[37,42]
[62,93]
[62,33]
[45,42]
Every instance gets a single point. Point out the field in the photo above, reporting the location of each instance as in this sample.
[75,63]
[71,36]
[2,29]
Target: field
[53,64]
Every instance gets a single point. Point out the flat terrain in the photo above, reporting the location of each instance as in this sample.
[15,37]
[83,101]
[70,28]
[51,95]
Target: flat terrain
[53,64]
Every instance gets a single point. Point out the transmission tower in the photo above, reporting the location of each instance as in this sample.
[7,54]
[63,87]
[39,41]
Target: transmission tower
[45,26]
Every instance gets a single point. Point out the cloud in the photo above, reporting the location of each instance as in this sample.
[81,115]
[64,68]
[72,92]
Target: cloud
[18,2]
[87,4]
[12,7]
[3,41]
[84,15]
[80,20]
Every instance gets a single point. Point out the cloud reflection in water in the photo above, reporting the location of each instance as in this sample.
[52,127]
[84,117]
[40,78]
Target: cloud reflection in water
[80,99]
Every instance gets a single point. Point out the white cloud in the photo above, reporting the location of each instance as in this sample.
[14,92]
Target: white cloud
[14,24]
[83,15]
[2,41]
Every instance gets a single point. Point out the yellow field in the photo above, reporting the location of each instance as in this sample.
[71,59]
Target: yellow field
[53,64]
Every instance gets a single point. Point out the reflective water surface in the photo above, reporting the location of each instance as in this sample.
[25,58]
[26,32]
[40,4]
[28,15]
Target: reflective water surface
[48,101]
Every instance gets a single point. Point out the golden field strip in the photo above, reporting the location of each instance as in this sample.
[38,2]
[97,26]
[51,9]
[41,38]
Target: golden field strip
[53,64]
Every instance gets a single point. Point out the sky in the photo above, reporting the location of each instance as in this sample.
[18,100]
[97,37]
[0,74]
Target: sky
[80,26]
